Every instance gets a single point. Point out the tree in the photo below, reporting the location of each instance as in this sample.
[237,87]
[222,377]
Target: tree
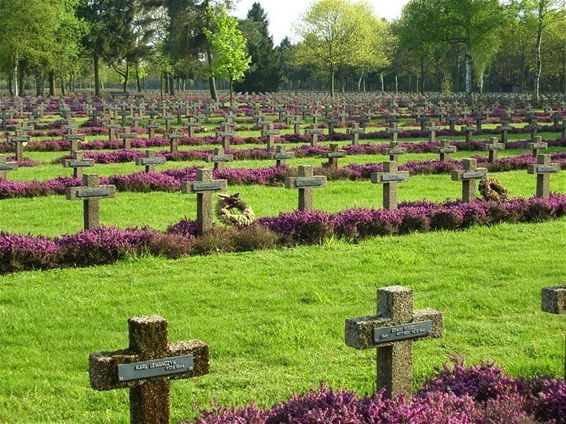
[547,12]
[334,35]
[229,58]
[265,72]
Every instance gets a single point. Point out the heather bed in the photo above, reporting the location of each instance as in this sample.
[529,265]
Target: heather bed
[272,336]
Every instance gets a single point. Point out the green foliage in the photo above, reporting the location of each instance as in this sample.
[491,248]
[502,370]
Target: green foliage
[230,60]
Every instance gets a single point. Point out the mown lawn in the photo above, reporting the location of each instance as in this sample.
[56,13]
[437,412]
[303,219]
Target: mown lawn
[274,319]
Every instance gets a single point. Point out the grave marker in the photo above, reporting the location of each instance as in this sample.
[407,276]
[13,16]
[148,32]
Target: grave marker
[542,169]
[493,148]
[126,136]
[355,133]
[150,161]
[445,150]
[280,156]
[6,166]
[204,186]
[73,140]
[504,132]
[333,155]
[390,177]
[174,142]
[468,176]
[392,332]
[314,133]
[90,194]
[394,151]
[147,367]
[305,182]
[219,159]
[537,146]
[78,162]
[553,301]
[20,142]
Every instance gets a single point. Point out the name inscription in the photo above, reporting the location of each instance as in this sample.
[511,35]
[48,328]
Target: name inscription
[155,368]
[547,169]
[309,182]
[79,163]
[212,186]
[472,174]
[283,156]
[394,177]
[402,332]
[8,167]
[93,192]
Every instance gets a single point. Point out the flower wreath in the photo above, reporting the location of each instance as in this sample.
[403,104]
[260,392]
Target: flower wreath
[225,211]
[492,190]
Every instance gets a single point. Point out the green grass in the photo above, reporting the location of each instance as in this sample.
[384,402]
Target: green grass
[274,320]
[55,215]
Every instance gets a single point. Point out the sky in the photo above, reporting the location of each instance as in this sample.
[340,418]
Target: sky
[283,14]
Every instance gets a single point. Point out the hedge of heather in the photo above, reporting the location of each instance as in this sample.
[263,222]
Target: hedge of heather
[171,180]
[106,245]
[456,395]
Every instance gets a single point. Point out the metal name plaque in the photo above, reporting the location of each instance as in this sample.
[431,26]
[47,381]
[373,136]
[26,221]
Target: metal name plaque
[155,368]
[309,182]
[335,155]
[472,174]
[221,158]
[448,150]
[396,151]
[394,177]
[93,192]
[152,161]
[283,156]
[8,167]
[80,163]
[213,186]
[402,332]
[547,169]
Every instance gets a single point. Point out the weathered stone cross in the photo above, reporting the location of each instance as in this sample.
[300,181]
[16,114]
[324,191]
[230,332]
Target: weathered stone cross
[395,151]
[469,131]
[537,146]
[542,170]
[219,159]
[493,148]
[6,166]
[280,156]
[20,142]
[126,138]
[90,194]
[333,155]
[147,367]
[204,186]
[504,131]
[305,182]
[314,133]
[553,301]
[73,140]
[355,133]
[174,142]
[392,331]
[78,162]
[389,178]
[445,150]
[150,161]
[468,176]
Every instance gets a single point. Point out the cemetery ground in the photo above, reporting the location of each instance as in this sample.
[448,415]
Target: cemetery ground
[273,319]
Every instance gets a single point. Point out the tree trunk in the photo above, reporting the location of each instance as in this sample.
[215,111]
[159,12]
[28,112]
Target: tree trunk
[21,80]
[396,84]
[422,74]
[51,84]
[481,74]
[332,81]
[38,85]
[172,84]
[382,82]
[538,53]
[469,69]
[138,80]
[63,87]
[211,80]
[96,75]
[231,91]
[126,77]
[15,82]
[360,82]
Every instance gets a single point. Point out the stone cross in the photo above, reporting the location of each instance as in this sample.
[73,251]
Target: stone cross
[355,133]
[392,332]
[147,367]
[305,182]
[537,146]
[479,119]
[73,140]
[556,117]
[6,166]
[493,148]
[390,177]
[542,170]
[445,150]
[112,131]
[204,186]
[563,136]
[432,133]
[553,301]
[452,121]
[219,159]
[394,133]
[535,128]
[504,131]
[297,126]
[270,134]
[151,130]
[78,162]
[20,142]
[150,160]
[314,133]
[468,176]
[331,126]
[394,151]
[333,155]
[126,138]
[174,142]
[226,138]
[469,131]
[90,193]
[280,156]
[191,127]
